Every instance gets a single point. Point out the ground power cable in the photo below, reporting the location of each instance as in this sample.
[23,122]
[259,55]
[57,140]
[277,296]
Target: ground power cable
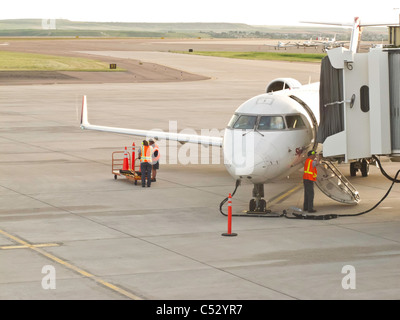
[334,216]
[255,215]
[303,216]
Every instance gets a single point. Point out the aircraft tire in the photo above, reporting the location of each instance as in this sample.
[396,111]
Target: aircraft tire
[252,205]
[364,168]
[353,169]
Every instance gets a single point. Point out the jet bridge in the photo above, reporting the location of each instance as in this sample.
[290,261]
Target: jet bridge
[360,104]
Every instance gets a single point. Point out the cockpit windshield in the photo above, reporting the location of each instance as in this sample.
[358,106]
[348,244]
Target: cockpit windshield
[295,122]
[244,122]
[233,120]
[271,123]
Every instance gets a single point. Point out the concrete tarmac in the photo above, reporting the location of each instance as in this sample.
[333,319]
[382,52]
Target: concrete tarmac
[63,214]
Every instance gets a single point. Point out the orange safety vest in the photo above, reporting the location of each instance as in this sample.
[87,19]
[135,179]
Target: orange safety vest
[310,173]
[155,148]
[145,153]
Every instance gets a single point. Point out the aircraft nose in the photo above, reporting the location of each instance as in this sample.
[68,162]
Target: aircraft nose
[256,161]
[239,153]
[246,167]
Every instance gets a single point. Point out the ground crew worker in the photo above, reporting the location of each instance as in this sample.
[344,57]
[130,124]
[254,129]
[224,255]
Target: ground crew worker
[309,177]
[145,156]
[155,160]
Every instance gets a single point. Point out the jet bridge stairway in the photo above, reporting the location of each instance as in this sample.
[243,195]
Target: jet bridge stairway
[335,185]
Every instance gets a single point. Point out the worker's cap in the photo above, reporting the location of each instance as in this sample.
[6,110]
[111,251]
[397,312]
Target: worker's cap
[311,153]
[151,140]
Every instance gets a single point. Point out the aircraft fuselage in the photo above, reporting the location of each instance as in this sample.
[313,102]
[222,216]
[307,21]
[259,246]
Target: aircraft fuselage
[269,136]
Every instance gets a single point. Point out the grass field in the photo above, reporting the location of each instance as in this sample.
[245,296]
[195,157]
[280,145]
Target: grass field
[294,57]
[18,61]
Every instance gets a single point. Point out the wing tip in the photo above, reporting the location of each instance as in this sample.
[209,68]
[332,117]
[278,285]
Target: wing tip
[84,113]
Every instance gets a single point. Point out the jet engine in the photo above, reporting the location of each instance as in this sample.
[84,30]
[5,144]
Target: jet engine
[281,84]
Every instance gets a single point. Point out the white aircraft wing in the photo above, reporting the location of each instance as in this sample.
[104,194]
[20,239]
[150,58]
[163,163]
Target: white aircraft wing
[352,24]
[158,135]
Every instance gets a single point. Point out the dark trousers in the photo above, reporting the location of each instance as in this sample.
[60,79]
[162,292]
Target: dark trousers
[145,168]
[308,195]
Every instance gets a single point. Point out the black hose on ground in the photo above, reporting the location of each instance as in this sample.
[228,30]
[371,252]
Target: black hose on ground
[316,217]
[334,216]
[384,172]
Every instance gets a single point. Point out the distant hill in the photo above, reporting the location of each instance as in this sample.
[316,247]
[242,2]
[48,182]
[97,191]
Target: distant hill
[63,24]
[67,28]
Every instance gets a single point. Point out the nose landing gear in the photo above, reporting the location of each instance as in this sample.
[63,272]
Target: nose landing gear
[258,205]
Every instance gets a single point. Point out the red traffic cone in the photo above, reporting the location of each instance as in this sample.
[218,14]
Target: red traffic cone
[125,165]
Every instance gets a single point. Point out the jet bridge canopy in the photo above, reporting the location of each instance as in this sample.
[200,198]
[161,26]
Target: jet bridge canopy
[331,89]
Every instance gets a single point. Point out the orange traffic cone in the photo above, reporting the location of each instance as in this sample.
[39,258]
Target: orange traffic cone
[133,156]
[230,233]
[125,165]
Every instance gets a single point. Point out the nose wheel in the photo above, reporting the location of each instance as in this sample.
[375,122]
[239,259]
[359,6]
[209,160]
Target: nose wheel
[258,204]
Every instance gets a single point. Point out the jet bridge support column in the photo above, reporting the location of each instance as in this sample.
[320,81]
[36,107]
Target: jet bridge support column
[394,76]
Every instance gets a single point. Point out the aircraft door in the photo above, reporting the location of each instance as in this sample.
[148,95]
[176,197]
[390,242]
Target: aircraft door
[335,185]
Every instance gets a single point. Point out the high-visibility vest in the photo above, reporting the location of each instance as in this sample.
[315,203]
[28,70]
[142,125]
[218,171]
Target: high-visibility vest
[145,153]
[155,148]
[310,173]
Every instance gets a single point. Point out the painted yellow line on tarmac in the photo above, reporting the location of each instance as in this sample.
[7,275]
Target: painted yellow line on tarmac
[41,245]
[70,266]
[285,195]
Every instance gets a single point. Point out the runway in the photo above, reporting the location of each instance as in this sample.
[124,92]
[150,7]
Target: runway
[108,239]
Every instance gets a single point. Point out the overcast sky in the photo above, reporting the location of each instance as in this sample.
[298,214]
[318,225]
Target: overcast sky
[253,12]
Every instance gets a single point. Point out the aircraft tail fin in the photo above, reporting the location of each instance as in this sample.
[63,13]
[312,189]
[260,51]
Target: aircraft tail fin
[356,32]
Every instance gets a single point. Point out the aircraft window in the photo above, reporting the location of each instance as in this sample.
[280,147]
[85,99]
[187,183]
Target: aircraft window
[271,123]
[364,94]
[295,122]
[245,122]
[233,120]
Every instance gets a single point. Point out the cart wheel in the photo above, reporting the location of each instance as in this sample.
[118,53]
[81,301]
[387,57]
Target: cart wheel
[135,182]
[115,177]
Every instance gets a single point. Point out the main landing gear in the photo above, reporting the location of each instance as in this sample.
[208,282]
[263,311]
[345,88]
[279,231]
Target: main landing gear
[362,165]
[258,204]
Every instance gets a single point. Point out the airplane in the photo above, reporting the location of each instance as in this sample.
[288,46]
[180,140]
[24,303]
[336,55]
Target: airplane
[267,138]
[332,43]
[281,44]
[327,40]
[355,34]
[307,43]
